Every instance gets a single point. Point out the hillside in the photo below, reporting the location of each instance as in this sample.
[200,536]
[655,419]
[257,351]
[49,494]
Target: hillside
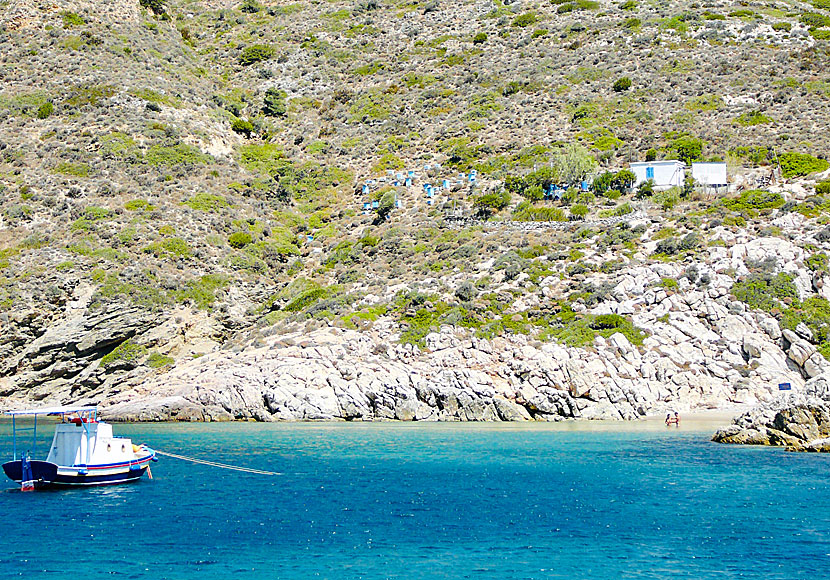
[183,232]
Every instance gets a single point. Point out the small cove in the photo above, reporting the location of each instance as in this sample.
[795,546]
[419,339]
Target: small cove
[402,500]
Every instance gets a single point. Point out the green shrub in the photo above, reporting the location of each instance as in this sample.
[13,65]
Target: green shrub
[765,292]
[480,38]
[250,6]
[754,199]
[490,203]
[815,313]
[71,19]
[243,127]
[623,179]
[800,164]
[181,153]
[157,6]
[206,202]
[256,53]
[239,240]
[266,158]
[274,103]
[45,110]
[622,84]
[709,102]
[815,20]
[823,187]
[170,247]
[202,292]
[524,20]
[308,298]
[667,199]
[782,26]
[607,321]
[579,211]
[752,118]
[156,360]
[686,149]
[91,95]
[73,169]
[580,330]
[127,354]
[527,212]
[817,262]
[139,205]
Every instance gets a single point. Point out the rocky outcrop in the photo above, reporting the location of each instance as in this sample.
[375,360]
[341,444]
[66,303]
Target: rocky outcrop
[797,422]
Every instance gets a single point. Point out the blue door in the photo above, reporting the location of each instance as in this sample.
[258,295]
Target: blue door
[649,173]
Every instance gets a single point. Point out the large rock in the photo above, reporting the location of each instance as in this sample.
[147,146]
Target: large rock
[793,422]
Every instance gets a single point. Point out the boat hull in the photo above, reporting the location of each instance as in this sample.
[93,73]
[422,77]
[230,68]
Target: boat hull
[45,474]
[42,472]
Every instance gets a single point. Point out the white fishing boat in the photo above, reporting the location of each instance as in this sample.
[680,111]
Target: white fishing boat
[83,452]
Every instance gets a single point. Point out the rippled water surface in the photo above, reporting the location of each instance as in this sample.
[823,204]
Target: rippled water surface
[433,501]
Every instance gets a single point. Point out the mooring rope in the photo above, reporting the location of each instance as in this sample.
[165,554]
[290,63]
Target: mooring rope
[215,464]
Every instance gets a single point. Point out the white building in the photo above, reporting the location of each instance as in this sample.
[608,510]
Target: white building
[709,174]
[665,174]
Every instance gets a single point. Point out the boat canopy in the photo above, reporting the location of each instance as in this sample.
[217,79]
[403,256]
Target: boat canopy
[53,411]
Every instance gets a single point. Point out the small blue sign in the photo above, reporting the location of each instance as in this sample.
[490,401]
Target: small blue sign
[784,387]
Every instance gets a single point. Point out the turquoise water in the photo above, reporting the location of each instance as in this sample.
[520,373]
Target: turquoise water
[433,501]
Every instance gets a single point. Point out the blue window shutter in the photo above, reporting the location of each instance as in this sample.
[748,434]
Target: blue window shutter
[649,173]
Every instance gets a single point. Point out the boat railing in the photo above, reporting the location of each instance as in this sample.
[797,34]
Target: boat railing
[85,415]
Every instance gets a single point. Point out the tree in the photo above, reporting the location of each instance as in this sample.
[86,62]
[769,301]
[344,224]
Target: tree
[274,103]
[646,189]
[603,182]
[624,179]
[579,211]
[386,205]
[534,193]
[687,149]
[490,203]
[515,184]
[573,163]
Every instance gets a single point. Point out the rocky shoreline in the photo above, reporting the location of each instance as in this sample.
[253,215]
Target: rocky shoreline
[702,350]
[799,422]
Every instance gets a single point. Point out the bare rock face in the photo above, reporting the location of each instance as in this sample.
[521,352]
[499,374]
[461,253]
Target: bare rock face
[335,374]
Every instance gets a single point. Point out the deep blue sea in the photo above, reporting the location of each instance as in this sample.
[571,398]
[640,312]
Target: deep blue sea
[432,501]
